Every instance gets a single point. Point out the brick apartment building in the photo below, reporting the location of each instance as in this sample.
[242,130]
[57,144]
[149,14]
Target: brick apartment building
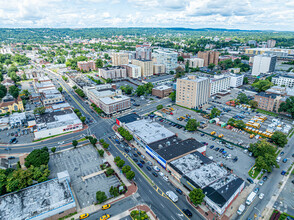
[162,91]
[268,102]
[209,57]
[87,65]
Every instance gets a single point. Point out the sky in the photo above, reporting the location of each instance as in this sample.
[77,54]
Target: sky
[233,14]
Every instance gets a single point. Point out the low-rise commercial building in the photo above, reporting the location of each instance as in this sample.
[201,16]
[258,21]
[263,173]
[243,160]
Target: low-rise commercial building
[133,71]
[219,185]
[55,123]
[113,72]
[146,67]
[114,104]
[51,199]
[162,91]
[41,86]
[51,96]
[192,91]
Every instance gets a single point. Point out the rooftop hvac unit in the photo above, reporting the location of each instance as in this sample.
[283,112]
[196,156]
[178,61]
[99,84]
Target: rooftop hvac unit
[168,143]
[160,146]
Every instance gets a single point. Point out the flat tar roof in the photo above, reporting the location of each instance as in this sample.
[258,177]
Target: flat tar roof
[35,200]
[173,147]
[129,118]
[148,131]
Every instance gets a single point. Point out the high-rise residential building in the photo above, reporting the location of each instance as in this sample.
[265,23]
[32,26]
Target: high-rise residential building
[236,80]
[146,67]
[87,65]
[167,58]
[133,71]
[192,91]
[143,52]
[195,62]
[119,59]
[264,64]
[113,72]
[271,43]
[219,83]
[158,68]
[209,57]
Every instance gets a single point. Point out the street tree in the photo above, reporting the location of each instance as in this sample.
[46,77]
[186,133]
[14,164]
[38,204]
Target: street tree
[99,63]
[113,191]
[60,89]
[192,125]
[159,107]
[126,169]
[101,197]
[53,149]
[75,143]
[288,106]
[196,196]
[261,148]
[279,138]
[37,158]
[130,175]
[172,96]
[101,153]
[83,119]
[253,104]
[180,59]
[14,91]
[215,112]
[262,85]
[243,98]
[116,159]
[211,66]
[109,171]
[245,80]
[120,163]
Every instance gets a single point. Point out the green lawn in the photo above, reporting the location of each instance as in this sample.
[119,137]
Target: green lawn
[253,174]
[267,112]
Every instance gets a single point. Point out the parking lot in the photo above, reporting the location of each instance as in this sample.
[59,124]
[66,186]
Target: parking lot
[22,135]
[81,162]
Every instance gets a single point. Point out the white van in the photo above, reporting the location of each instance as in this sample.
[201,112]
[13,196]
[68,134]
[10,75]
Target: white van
[172,196]
[241,209]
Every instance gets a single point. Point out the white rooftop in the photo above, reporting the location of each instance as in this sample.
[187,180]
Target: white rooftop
[149,131]
[113,100]
[163,87]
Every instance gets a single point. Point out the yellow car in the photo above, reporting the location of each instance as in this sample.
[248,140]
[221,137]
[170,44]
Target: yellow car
[104,217]
[85,215]
[107,206]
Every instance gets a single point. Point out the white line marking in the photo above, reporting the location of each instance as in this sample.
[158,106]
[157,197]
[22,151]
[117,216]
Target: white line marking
[173,218]
[162,205]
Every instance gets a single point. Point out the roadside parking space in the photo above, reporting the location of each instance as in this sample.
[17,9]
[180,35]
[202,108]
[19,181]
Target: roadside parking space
[81,162]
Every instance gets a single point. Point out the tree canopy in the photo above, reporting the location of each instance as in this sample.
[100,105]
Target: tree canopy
[262,85]
[37,158]
[288,106]
[243,98]
[279,138]
[196,196]
[192,125]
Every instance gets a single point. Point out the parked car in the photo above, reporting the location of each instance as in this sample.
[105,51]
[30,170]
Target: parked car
[261,183]
[264,178]
[212,146]
[136,160]
[256,190]
[135,155]
[179,191]
[216,149]
[142,161]
[187,212]
[148,168]
[156,168]
[155,174]
[285,160]
[250,180]
[165,178]
[283,172]
[282,153]
[140,165]
[261,195]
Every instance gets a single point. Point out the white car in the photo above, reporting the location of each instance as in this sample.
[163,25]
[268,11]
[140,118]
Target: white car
[261,195]
[161,173]
[229,156]
[165,178]
[261,183]
[156,168]
[62,142]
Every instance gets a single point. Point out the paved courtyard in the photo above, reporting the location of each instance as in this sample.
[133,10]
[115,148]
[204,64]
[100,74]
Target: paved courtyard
[81,162]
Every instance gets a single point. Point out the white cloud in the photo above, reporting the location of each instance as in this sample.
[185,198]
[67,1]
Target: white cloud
[245,14]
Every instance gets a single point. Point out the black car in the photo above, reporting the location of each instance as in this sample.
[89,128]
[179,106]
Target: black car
[136,160]
[179,191]
[139,153]
[148,168]
[142,161]
[250,180]
[235,159]
[282,153]
[221,150]
[126,150]
[216,149]
[155,174]
[264,178]
[135,155]
[187,212]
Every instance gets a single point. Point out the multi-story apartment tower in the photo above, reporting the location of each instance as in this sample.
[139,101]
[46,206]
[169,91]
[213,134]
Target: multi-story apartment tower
[209,57]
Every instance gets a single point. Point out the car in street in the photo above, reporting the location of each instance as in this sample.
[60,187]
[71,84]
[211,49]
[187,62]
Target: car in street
[264,178]
[261,195]
[256,190]
[282,153]
[127,150]
[261,183]
[235,159]
[148,168]
[104,217]
[83,216]
[285,160]
[179,191]
[212,146]
[107,206]
[165,178]
[221,150]
[155,174]
[283,172]
[135,159]
[156,168]
[135,155]
[187,212]
[140,165]
[149,163]
[139,153]
[216,149]
[142,161]
[250,180]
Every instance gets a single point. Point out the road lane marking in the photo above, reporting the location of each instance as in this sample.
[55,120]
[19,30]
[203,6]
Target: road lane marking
[162,205]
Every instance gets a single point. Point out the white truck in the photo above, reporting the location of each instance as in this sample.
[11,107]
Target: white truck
[172,196]
[278,159]
[241,209]
[250,198]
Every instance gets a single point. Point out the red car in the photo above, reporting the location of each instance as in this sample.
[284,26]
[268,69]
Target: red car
[171,113]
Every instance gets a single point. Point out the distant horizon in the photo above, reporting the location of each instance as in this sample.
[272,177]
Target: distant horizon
[266,15]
